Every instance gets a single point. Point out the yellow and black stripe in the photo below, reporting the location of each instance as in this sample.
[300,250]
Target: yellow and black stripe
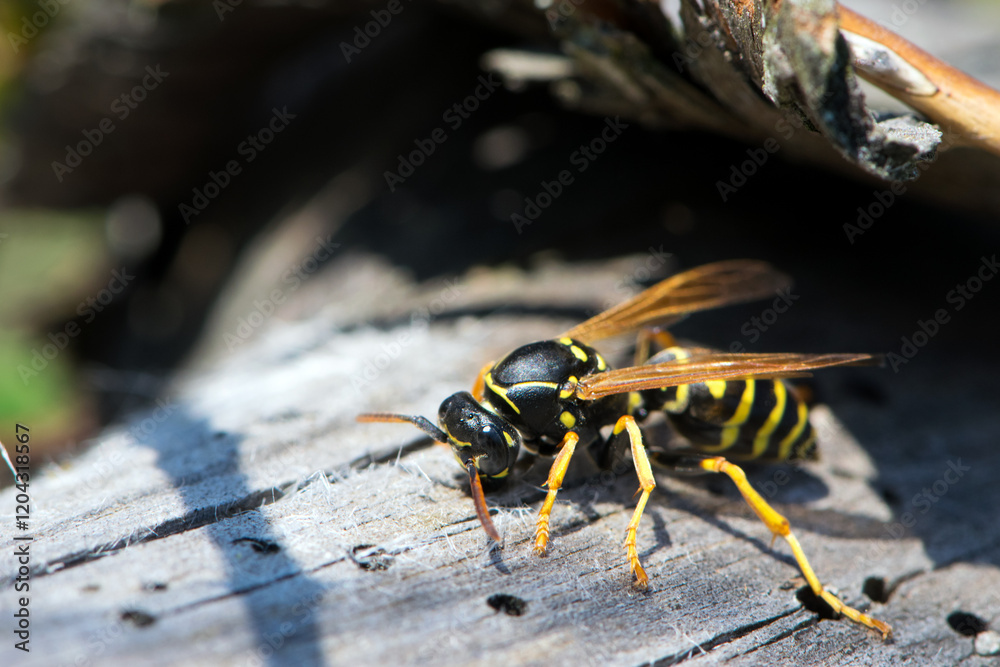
[741,419]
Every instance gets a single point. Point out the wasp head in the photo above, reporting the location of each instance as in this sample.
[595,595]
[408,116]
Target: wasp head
[484,443]
[478,437]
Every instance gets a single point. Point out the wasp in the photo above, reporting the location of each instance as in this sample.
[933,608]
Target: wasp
[553,397]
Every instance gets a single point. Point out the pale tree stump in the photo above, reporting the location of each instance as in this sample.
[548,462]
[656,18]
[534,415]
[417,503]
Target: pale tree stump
[249,520]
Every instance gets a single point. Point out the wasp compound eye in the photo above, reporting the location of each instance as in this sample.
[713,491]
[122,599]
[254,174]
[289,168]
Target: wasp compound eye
[491,451]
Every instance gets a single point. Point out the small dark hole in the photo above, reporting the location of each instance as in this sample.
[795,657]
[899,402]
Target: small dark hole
[219,435]
[139,619]
[368,557]
[508,604]
[815,604]
[875,589]
[154,586]
[260,546]
[966,624]
[91,588]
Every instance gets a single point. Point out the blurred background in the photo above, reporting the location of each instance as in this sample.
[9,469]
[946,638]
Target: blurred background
[175,175]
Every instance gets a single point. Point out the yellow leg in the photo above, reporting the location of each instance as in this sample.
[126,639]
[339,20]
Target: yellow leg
[479,386]
[646,338]
[778,525]
[646,486]
[556,474]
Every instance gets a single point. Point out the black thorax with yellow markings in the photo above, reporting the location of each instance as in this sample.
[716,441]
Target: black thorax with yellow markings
[534,386]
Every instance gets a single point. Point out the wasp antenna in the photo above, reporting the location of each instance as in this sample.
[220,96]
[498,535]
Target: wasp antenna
[479,499]
[420,422]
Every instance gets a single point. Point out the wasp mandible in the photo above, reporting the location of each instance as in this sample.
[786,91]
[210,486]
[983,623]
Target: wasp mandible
[552,397]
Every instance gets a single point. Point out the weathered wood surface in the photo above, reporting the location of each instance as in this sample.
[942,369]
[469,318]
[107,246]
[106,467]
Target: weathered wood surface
[252,521]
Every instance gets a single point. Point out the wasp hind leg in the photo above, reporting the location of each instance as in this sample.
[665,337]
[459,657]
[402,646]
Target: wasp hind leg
[554,483]
[779,527]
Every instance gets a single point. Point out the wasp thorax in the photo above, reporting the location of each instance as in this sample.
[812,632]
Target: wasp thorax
[478,436]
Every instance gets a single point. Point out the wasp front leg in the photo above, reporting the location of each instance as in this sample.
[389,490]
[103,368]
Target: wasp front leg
[556,474]
[479,386]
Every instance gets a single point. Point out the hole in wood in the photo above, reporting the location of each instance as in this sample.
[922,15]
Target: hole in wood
[258,545]
[508,604]
[875,589]
[816,605]
[138,618]
[966,624]
[371,558]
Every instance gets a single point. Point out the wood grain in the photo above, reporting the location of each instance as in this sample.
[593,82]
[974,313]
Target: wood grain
[259,524]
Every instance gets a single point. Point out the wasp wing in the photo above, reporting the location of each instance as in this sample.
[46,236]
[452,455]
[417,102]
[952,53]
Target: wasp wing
[701,288]
[706,366]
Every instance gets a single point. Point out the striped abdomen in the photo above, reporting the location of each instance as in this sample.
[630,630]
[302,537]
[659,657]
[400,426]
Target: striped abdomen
[741,419]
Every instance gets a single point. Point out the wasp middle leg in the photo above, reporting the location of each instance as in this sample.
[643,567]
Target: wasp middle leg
[626,425]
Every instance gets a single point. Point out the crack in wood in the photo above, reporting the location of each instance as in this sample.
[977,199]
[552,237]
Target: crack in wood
[190,521]
[705,647]
[781,636]
[250,589]
[381,457]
